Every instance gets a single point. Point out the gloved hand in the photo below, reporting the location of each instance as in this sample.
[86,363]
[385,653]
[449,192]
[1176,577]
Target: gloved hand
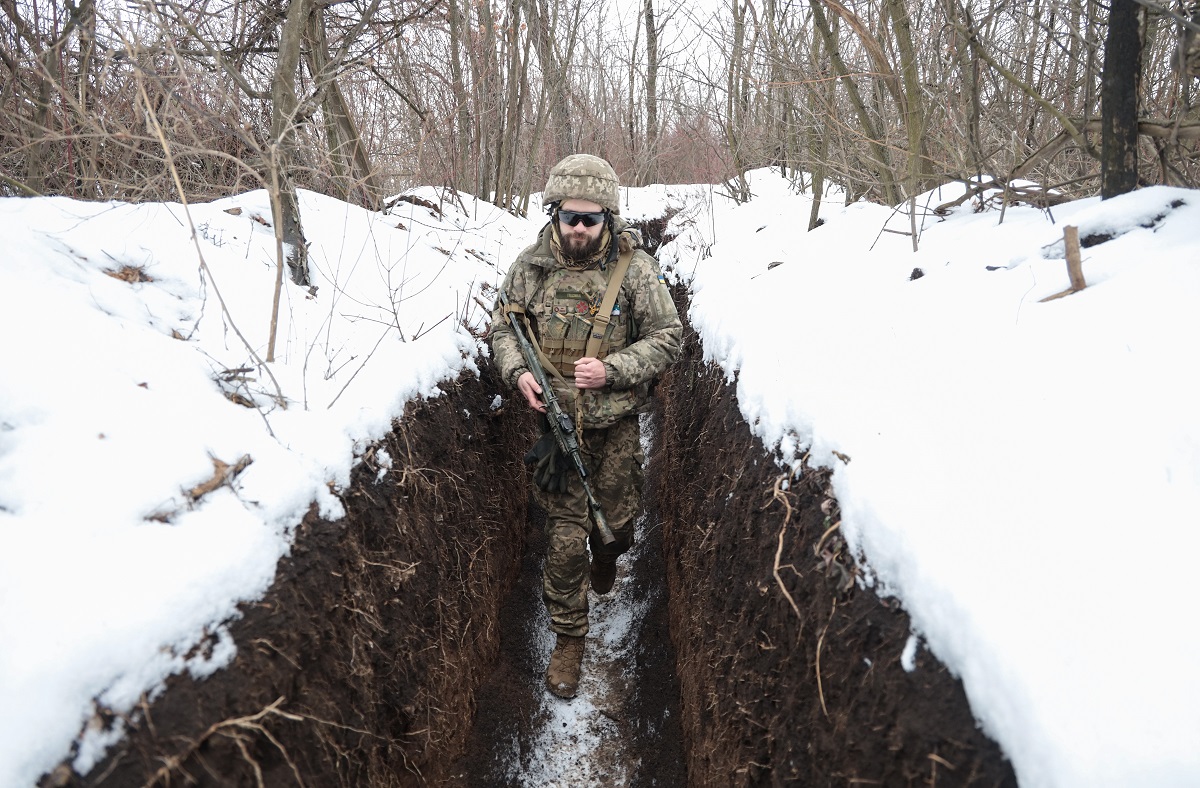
[550,467]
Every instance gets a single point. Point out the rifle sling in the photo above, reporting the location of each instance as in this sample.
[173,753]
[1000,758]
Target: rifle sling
[604,316]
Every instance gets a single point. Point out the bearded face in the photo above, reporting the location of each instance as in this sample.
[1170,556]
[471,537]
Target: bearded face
[580,242]
[578,246]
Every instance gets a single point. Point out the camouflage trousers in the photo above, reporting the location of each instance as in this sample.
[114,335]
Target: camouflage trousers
[614,458]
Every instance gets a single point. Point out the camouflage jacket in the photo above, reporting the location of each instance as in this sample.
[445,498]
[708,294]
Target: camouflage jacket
[642,340]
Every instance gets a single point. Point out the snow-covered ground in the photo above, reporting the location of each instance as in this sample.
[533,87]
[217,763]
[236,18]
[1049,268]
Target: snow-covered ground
[1024,476]
[115,405]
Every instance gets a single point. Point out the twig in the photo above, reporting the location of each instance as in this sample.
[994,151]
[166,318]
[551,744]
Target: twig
[360,367]
[421,333]
[277,209]
[162,139]
[222,473]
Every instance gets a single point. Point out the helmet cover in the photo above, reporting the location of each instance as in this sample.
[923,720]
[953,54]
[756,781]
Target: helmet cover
[582,176]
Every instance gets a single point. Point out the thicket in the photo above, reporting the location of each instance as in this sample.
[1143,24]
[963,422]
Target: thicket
[145,99]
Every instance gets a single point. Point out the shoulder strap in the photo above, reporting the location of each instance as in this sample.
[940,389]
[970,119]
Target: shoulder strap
[604,315]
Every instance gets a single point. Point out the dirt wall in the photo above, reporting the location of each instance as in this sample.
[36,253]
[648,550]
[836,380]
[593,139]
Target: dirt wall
[363,664]
[360,665]
[790,674]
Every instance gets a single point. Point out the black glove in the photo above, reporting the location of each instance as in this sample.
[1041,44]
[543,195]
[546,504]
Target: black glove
[549,465]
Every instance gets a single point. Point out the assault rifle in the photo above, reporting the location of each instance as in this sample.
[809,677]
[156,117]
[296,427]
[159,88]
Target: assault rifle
[561,424]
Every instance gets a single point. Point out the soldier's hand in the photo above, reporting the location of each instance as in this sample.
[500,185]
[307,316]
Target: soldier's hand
[527,384]
[590,373]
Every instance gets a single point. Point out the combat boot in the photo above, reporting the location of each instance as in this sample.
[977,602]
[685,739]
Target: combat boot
[566,663]
[602,575]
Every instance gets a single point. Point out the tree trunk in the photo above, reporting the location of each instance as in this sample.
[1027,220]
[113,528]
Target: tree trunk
[819,141]
[284,105]
[551,103]
[651,94]
[914,113]
[873,133]
[349,157]
[88,167]
[735,104]
[1119,101]
[460,130]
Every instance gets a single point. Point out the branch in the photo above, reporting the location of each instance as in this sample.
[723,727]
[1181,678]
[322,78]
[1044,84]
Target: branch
[151,119]
[1162,129]
[1061,116]
[1189,24]
[216,55]
[399,93]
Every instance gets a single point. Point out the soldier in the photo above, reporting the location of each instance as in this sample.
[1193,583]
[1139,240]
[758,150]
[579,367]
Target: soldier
[558,285]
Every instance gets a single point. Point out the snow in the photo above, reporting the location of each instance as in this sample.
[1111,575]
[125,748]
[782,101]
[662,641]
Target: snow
[1024,476]
[113,406]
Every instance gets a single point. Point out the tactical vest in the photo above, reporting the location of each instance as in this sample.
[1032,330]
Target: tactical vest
[566,312]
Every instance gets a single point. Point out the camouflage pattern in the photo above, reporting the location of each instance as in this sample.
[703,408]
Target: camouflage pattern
[581,176]
[642,340]
[614,459]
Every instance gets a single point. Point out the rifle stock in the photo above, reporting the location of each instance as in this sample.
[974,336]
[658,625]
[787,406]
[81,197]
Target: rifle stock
[561,424]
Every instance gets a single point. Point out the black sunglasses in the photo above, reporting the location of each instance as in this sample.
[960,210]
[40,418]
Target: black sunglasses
[588,218]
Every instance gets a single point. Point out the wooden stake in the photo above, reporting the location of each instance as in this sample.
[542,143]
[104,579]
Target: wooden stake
[1074,263]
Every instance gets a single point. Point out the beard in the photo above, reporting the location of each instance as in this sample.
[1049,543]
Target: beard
[581,249]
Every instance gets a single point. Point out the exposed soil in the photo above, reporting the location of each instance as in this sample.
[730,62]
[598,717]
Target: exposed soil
[404,644]
[360,665]
[790,671]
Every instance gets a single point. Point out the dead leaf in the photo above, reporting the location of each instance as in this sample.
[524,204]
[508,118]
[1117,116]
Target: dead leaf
[133,274]
[222,473]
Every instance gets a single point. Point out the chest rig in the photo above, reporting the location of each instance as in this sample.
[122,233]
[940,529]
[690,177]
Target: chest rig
[579,315]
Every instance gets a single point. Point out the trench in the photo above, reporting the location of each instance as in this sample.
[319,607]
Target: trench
[404,644]
[623,727]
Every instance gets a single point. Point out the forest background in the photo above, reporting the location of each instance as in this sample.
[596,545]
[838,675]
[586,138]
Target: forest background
[361,99]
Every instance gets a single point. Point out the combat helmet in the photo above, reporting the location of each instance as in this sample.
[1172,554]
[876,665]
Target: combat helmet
[582,176]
